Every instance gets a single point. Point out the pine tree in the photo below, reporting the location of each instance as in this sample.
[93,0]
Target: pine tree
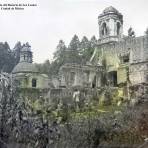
[60,58]
[7,61]
[84,49]
[60,50]
[93,42]
[87,48]
[72,55]
[85,44]
[16,51]
[74,44]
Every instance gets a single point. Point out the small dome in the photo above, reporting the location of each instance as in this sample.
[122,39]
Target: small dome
[24,67]
[110,10]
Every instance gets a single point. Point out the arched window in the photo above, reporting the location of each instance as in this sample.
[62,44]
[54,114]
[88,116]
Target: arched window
[104,29]
[34,82]
[24,57]
[118,28]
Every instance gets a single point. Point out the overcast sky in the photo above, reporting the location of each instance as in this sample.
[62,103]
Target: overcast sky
[43,26]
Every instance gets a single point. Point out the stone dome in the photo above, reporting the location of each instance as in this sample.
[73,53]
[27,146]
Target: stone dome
[110,10]
[24,67]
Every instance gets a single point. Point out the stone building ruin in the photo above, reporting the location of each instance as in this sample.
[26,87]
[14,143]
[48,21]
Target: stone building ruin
[118,61]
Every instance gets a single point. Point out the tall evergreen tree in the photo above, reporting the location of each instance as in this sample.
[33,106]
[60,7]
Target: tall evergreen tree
[87,48]
[93,42]
[16,50]
[84,49]
[7,60]
[74,44]
[60,51]
[60,58]
[73,51]
[85,44]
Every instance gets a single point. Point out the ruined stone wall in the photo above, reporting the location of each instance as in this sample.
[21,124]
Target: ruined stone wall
[137,48]
[80,75]
[68,94]
[139,61]
[138,73]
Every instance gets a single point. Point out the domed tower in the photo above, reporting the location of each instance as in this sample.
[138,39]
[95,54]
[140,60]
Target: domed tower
[26,74]
[25,64]
[110,25]
[26,54]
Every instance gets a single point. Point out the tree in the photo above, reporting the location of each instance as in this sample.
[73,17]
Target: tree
[73,51]
[60,58]
[6,46]
[16,50]
[44,67]
[93,42]
[85,44]
[131,33]
[74,44]
[84,50]
[7,60]
[60,50]
[146,32]
[77,52]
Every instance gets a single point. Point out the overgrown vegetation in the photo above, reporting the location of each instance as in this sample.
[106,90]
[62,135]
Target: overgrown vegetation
[36,124]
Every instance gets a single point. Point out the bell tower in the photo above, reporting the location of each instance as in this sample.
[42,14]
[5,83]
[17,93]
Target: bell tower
[110,25]
[26,54]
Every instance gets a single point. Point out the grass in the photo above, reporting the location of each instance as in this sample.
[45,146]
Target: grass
[95,112]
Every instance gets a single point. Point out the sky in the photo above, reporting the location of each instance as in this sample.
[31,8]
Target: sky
[43,26]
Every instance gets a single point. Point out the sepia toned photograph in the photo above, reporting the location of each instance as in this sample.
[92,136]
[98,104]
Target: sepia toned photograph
[74,74]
